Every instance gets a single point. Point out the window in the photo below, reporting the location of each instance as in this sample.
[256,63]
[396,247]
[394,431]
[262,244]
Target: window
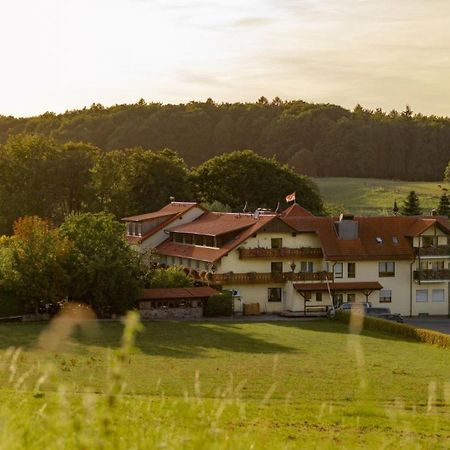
[338,270]
[318,296]
[385,296]
[351,298]
[437,295]
[395,240]
[274,294]
[276,267]
[180,261]
[307,266]
[423,265]
[386,269]
[429,241]
[351,270]
[209,241]
[422,295]
[188,239]
[276,242]
[437,265]
[197,264]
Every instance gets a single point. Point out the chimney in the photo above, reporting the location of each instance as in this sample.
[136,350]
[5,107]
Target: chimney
[347,227]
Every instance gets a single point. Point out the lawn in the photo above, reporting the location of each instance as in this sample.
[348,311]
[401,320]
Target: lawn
[224,385]
[373,196]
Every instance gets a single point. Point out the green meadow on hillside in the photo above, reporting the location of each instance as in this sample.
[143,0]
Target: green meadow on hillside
[373,196]
[284,384]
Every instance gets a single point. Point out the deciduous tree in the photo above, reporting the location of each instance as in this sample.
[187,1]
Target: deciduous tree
[243,176]
[34,263]
[105,271]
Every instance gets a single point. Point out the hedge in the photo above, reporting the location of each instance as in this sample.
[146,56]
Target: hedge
[400,329]
[219,305]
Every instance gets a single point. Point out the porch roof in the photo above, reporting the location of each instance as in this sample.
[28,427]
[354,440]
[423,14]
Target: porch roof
[346,286]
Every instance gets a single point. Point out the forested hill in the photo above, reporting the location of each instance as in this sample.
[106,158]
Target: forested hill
[317,139]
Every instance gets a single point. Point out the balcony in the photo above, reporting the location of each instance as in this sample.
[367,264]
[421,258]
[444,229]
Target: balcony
[433,250]
[267,278]
[430,276]
[259,252]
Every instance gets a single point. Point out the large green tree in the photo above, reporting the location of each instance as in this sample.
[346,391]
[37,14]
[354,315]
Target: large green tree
[33,267]
[105,272]
[41,177]
[244,177]
[411,205]
[133,181]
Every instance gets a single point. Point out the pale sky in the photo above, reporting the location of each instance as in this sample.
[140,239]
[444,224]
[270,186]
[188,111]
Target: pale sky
[66,54]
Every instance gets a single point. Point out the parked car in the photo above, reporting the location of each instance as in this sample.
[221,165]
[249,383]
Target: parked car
[384,313]
[347,307]
[368,310]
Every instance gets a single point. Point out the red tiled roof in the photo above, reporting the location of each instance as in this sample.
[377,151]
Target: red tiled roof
[423,224]
[216,224]
[366,246]
[174,293]
[296,210]
[196,252]
[347,286]
[209,254]
[169,210]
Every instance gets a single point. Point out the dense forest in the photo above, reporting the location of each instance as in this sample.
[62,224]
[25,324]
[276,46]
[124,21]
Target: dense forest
[316,139]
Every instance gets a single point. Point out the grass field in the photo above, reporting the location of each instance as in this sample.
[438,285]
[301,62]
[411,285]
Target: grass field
[223,385]
[373,196]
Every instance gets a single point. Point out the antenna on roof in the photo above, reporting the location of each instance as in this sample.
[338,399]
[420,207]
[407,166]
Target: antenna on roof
[245,207]
[172,199]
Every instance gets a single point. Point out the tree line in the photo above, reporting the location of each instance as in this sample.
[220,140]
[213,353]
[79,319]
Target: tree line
[41,177]
[316,139]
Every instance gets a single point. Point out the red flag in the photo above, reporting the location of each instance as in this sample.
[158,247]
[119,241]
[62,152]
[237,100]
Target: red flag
[290,197]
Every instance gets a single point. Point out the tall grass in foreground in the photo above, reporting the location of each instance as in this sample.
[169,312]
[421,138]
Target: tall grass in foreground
[32,417]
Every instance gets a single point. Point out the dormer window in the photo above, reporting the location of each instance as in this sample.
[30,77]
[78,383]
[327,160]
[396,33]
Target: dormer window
[379,240]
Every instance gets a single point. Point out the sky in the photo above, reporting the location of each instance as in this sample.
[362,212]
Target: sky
[59,55]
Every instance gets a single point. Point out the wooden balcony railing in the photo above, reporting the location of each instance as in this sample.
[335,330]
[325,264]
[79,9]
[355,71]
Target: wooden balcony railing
[259,252]
[264,278]
[435,250]
[432,275]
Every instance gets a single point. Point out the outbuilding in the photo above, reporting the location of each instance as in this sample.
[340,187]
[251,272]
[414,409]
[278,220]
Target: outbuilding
[174,303]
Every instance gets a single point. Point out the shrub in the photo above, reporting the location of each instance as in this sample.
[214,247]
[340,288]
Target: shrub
[400,329]
[219,305]
[172,277]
